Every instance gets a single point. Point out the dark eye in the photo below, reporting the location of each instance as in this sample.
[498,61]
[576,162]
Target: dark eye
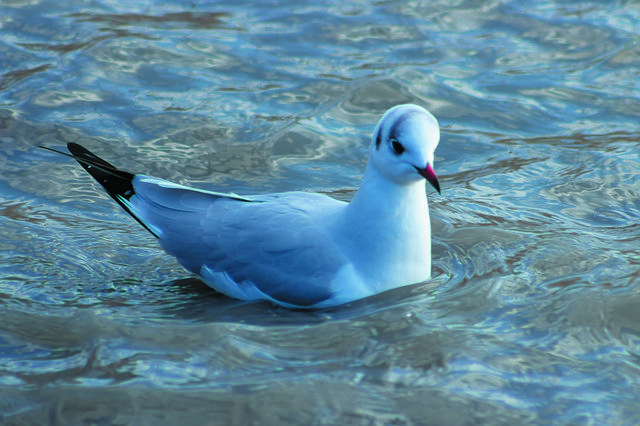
[397,147]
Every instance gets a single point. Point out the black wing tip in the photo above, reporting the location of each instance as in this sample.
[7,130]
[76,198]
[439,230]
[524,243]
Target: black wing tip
[87,158]
[77,150]
[75,146]
[117,183]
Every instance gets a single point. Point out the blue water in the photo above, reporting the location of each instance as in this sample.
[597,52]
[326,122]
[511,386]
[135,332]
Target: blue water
[533,313]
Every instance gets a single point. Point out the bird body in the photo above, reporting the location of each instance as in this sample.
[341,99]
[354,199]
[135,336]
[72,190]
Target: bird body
[298,249]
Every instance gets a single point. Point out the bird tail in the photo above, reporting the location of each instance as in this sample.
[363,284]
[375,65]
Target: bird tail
[118,183]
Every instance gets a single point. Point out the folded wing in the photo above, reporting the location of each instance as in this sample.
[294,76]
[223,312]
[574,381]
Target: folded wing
[276,244]
[271,242]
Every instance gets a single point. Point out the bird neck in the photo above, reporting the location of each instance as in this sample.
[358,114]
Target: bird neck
[387,231]
[386,201]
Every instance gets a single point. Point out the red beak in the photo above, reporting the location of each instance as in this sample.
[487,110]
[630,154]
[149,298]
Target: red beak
[430,176]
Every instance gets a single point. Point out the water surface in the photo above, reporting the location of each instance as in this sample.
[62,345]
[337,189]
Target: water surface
[533,313]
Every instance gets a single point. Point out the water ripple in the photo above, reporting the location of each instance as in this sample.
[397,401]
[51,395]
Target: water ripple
[530,316]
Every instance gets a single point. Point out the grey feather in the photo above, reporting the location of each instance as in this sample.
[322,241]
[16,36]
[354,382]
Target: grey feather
[272,241]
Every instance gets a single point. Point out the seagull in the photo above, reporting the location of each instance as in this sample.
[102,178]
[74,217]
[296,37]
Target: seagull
[298,249]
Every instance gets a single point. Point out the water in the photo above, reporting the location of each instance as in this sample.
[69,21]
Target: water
[533,313]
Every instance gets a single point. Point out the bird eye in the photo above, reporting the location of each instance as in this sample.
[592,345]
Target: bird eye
[397,147]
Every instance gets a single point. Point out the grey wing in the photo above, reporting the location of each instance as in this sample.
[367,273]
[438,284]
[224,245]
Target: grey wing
[276,243]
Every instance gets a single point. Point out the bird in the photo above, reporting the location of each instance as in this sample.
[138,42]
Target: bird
[298,249]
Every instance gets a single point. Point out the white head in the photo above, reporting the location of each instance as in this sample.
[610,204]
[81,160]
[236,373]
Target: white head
[403,145]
